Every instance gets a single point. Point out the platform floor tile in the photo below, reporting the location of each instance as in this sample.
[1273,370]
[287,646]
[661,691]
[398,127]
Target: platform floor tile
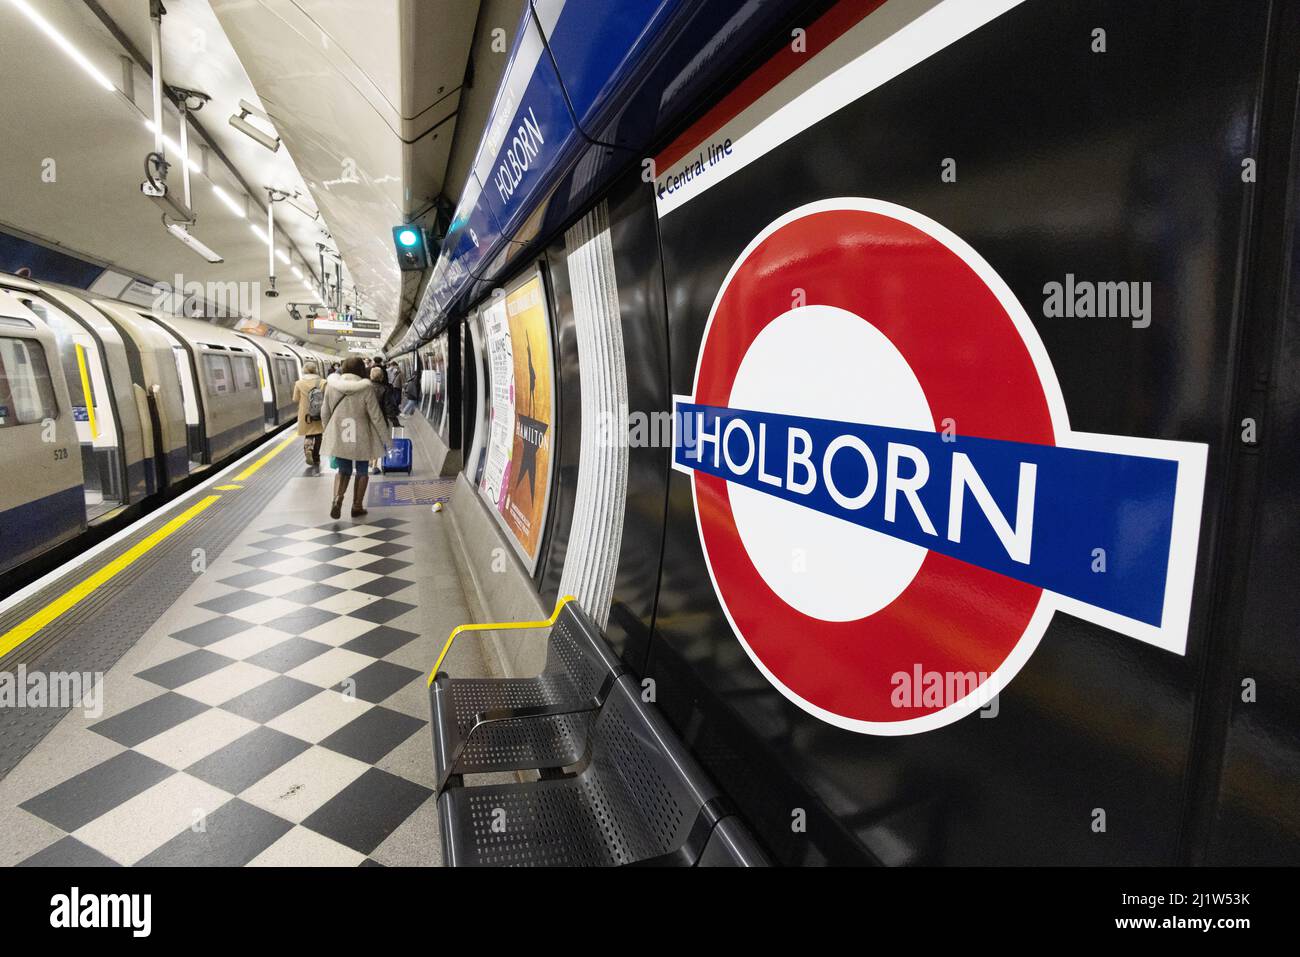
[280,720]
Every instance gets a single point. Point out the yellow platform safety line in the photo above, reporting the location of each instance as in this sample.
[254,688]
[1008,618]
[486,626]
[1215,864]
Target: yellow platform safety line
[497,626]
[228,488]
[266,458]
[85,390]
[87,587]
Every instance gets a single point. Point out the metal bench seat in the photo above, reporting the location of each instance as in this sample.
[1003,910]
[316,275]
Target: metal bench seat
[545,741]
[484,725]
[638,799]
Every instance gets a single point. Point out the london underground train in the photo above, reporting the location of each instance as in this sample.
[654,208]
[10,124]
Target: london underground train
[951,356]
[105,405]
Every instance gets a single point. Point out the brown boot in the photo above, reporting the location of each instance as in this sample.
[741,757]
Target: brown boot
[359,496]
[340,487]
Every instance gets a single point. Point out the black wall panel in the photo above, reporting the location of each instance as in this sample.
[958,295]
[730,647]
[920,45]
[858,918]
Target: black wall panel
[637,267]
[1253,812]
[469,410]
[1117,166]
[567,429]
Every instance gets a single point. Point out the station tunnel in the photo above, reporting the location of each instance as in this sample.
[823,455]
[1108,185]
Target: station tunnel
[766,433]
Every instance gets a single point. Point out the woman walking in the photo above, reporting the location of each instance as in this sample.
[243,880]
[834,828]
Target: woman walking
[309,393]
[355,432]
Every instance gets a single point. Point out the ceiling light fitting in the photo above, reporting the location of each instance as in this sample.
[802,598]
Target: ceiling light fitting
[240,122]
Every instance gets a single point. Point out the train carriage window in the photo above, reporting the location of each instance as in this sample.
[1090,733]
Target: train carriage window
[26,391]
[61,327]
[245,372]
[217,370]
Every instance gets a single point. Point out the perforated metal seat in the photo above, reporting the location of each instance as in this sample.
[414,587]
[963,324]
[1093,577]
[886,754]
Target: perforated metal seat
[639,799]
[483,725]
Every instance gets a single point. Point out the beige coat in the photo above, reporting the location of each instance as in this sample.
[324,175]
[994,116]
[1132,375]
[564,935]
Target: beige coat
[354,424]
[301,392]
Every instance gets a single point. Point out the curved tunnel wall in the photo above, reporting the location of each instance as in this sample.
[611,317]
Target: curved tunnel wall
[1088,185]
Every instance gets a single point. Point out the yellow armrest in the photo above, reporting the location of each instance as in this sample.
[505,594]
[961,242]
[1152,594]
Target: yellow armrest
[498,626]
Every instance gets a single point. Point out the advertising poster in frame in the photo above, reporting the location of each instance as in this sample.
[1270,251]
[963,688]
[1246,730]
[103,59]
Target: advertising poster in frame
[517,473]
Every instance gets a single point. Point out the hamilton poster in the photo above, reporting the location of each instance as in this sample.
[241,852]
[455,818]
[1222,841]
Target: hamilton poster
[518,473]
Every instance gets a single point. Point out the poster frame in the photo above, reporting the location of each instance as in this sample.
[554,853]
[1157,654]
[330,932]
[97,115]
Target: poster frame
[535,270]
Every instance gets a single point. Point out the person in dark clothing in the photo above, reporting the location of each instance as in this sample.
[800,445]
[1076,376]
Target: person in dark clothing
[389,399]
[379,382]
[411,393]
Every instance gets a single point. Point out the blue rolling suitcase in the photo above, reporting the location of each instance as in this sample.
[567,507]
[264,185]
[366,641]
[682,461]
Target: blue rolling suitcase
[398,458]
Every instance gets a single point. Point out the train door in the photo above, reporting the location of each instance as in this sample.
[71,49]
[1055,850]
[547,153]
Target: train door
[193,416]
[158,391]
[41,497]
[186,373]
[129,429]
[286,374]
[267,383]
[98,434]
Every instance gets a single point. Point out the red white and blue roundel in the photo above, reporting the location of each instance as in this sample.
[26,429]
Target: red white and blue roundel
[890,499]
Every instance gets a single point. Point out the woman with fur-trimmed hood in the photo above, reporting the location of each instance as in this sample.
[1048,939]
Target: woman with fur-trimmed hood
[356,432]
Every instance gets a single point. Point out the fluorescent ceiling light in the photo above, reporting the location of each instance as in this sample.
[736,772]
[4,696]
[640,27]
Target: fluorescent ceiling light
[231,204]
[240,122]
[297,272]
[183,234]
[279,254]
[62,43]
[259,232]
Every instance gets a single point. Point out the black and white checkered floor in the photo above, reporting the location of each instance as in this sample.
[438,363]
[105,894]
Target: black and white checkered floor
[275,715]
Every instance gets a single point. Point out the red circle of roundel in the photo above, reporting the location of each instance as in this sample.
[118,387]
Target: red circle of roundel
[974,367]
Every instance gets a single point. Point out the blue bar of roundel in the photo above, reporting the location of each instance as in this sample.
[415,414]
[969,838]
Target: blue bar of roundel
[1084,501]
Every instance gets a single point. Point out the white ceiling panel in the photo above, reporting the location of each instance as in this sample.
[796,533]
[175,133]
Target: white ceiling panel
[338,77]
